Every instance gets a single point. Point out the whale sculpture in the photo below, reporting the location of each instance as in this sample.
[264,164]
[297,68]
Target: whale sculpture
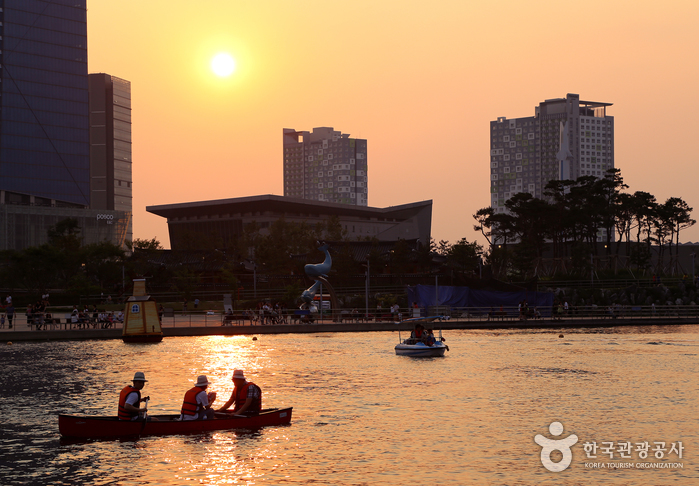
[319,272]
[320,269]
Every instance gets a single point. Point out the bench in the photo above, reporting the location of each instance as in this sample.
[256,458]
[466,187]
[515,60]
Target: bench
[302,316]
[229,319]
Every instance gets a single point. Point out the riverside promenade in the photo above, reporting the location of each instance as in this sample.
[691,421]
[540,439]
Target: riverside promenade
[210,329]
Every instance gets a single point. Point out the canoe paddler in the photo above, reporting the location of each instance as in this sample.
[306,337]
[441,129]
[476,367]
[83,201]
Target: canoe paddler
[246,396]
[130,398]
[197,403]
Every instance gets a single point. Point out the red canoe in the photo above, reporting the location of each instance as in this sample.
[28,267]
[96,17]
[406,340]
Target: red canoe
[95,427]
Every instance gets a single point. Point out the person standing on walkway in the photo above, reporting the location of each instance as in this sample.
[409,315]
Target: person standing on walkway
[10,314]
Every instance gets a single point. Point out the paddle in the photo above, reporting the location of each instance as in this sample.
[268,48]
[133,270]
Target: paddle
[144,417]
[144,414]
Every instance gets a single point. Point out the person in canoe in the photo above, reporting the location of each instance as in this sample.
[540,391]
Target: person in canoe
[197,403]
[246,396]
[130,398]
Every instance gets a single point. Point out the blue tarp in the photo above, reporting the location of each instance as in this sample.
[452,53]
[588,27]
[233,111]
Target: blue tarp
[464,297]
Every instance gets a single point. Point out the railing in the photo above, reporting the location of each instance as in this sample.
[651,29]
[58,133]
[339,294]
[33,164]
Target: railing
[179,319]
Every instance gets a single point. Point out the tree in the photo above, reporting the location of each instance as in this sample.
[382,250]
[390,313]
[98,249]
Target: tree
[103,263]
[483,223]
[147,245]
[677,215]
[465,256]
[609,189]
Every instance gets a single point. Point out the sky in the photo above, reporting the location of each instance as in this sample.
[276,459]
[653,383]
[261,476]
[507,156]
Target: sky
[420,81]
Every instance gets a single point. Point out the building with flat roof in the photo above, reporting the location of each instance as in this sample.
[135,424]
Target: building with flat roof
[223,220]
[565,139]
[325,165]
[110,146]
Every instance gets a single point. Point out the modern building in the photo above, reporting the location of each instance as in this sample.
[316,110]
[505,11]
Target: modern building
[325,165]
[44,124]
[565,139]
[44,134]
[110,145]
[223,220]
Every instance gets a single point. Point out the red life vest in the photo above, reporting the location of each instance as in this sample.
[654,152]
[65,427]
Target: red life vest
[190,405]
[123,414]
[241,396]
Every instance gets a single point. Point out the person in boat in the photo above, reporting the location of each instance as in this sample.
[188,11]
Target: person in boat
[428,337]
[417,332]
[246,396]
[197,403]
[130,398]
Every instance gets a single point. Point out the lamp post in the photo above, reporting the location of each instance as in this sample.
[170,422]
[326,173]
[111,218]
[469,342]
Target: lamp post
[693,256]
[366,290]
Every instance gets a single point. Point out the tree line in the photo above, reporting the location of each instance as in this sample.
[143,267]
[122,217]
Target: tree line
[572,219]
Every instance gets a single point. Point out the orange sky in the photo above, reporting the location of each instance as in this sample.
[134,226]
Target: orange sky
[420,81]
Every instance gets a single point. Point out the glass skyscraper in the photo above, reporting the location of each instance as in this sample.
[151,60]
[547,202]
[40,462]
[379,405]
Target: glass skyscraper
[44,115]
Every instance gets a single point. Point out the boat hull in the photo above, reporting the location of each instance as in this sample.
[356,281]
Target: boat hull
[142,338]
[420,350]
[95,427]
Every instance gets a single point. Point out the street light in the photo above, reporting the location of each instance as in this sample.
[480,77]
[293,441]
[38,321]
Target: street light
[366,289]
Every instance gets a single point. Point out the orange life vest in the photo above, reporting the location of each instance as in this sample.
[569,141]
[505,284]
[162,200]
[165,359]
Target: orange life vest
[241,396]
[123,414]
[190,405]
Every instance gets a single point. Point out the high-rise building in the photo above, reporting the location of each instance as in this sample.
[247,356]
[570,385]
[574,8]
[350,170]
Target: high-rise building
[110,145]
[44,125]
[44,134]
[565,139]
[325,165]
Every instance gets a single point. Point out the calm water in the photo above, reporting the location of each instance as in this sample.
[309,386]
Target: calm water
[363,415]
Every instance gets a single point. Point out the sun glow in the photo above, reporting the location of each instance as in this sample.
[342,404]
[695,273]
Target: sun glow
[223,65]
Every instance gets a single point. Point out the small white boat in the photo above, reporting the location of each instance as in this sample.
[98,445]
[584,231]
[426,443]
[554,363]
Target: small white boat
[419,348]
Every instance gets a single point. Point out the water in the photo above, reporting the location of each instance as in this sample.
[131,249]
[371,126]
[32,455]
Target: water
[363,415]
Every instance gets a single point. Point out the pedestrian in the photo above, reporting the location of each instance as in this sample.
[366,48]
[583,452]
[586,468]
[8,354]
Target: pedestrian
[10,313]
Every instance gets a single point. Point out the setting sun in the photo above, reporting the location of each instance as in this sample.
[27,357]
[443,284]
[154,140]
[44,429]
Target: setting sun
[223,65]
